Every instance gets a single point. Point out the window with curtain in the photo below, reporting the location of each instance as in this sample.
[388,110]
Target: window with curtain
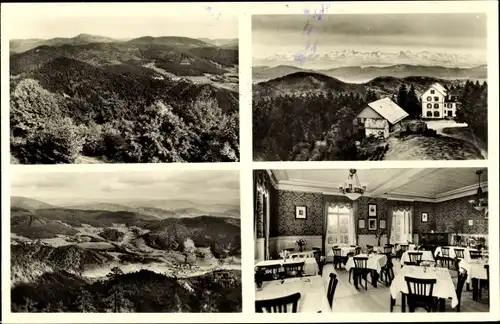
[401,231]
[340,227]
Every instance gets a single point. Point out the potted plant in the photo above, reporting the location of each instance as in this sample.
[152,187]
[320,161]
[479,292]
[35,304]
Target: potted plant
[301,243]
[259,277]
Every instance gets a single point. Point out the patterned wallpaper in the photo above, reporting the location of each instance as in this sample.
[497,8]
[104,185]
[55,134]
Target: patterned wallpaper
[283,222]
[447,212]
[441,216]
[424,207]
[363,203]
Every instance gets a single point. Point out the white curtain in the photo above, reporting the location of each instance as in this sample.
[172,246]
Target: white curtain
[352,228]
[410,226]
[392,239]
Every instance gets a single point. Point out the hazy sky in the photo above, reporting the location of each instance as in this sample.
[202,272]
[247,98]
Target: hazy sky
[199,26]
[456,32]
[212,186]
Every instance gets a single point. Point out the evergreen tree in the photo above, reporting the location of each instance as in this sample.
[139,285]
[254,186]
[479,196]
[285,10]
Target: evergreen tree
[402,99]
[413,107]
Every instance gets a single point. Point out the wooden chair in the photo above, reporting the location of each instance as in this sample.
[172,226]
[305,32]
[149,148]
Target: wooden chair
[459,253]
[351,270]
[337,257]
[332,286]
[369,248]
[474,255]
[486,282]
[404,247]
[278,305]
[387,273]
[420,294]
[357,251]
[415,258]
[444,257]
[360,270]
[462,277]
[272,272]
[294,269]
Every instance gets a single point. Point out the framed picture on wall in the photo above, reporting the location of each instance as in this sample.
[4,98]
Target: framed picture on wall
[425,217]
[361,223]
[381,223]
[300,212]
[372,224]
[372,210]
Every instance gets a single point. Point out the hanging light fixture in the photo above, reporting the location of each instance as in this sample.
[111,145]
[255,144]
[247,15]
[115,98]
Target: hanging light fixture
[480,202]
[352,189]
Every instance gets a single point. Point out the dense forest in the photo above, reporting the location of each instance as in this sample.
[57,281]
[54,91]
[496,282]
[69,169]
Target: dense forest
[65,104]
[142,291]
[308,118]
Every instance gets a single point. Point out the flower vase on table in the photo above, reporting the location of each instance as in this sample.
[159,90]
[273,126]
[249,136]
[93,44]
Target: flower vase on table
[301,243]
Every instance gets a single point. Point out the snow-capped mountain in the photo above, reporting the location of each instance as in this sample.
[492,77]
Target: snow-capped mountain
[341,58]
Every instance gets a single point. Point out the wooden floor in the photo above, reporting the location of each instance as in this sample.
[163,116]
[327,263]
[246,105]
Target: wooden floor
[349,299]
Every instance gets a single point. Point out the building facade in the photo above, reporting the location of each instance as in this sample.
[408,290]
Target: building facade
[380,117]
[439,103]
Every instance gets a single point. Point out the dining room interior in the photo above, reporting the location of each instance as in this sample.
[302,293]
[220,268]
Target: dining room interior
[371,240]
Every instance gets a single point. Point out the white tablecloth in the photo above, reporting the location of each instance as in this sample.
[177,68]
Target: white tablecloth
[381,249]
[452,255]
[475,269]
[312,289]
[374,262]
[310,264]
[444,287]
[302,255]
[426,256]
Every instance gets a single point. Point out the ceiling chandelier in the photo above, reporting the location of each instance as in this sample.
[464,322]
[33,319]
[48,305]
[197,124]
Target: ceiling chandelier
[352,189]
[480,202]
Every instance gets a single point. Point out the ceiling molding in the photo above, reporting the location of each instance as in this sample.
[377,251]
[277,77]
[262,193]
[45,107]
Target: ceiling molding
[320,187]
[461,192]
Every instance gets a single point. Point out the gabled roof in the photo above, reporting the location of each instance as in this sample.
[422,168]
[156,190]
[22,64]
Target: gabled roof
[439,88]
[389,110]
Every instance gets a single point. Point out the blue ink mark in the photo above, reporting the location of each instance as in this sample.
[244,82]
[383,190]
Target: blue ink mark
[299,57]
[307,28]
[306,11]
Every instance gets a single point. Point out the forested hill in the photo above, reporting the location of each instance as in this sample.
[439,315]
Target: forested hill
[124,102]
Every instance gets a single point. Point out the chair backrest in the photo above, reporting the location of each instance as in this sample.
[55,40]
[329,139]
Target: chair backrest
[369,247]
[317,255]
[294,266]
[475,254]
[421,287]
[415,257]
[360,262]
[337,251]
[445,251]
[387,249]
[278,305]
[357,251]
[332,286]
[459,253]
[462,277]
[404,247]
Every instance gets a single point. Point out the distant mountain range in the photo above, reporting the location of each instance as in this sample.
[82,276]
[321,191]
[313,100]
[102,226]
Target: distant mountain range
[148,209]
[23,45]
[362,74]
[341,58]
[311,82]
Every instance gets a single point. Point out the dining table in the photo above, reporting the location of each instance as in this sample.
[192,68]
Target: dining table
[374,263]
[443,289]
[475,273]
[310,264]
[312,291]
